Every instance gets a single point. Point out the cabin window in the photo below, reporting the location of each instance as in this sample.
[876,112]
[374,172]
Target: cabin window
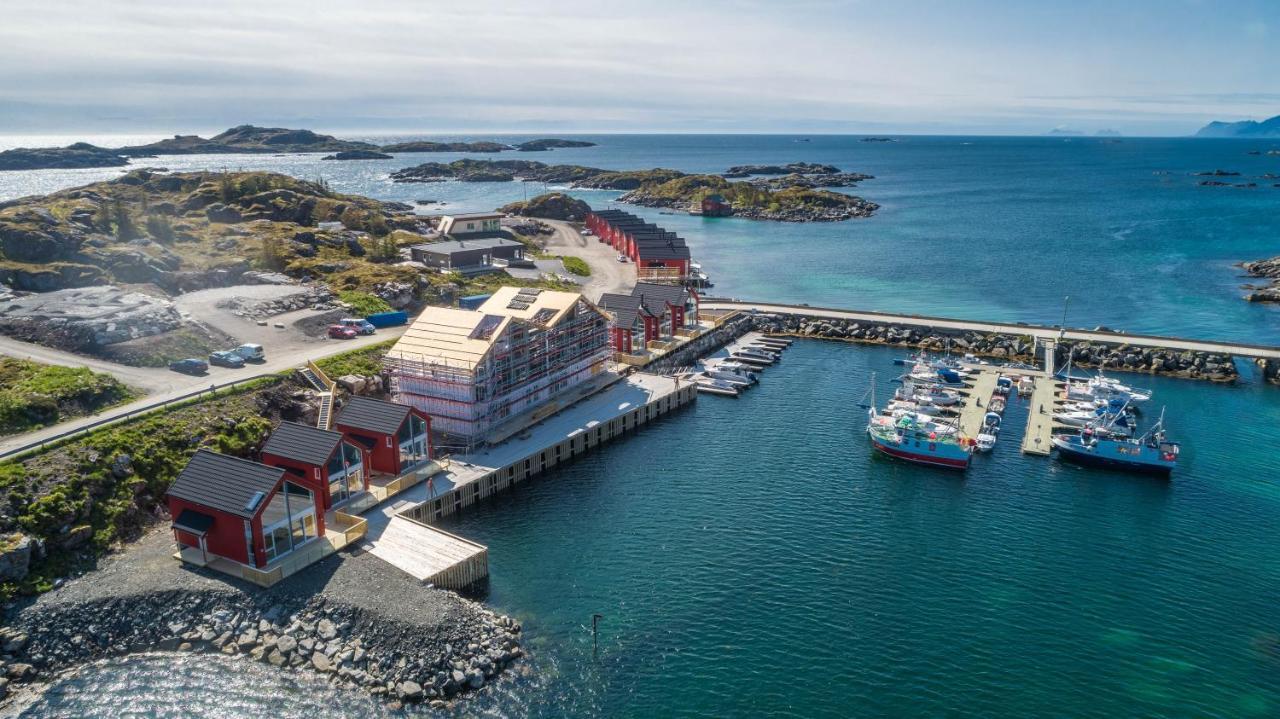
[288,520]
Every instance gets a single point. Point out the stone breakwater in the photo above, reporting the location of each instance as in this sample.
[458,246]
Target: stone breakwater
[1119,357]
[353,647]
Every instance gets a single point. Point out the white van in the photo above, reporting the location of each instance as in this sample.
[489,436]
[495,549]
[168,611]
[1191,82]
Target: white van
[251,352]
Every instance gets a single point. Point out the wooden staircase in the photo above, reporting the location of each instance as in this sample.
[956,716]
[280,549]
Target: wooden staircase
[314,376]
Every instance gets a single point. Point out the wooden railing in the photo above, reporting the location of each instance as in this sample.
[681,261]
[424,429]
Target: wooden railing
[352,527]
[262,577]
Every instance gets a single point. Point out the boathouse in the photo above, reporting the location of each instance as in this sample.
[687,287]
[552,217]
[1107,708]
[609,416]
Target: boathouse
[395,436]
[324,460]
[715,205]
[243,511]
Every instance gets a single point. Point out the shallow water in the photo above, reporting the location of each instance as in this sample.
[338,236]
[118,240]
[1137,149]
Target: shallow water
[752,557]
[978,227]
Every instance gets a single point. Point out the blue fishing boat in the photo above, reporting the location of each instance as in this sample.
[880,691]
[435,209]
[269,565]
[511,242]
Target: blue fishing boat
[1152,452]
[914,439]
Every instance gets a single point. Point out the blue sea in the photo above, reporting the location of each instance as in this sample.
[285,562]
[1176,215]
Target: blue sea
[997,228]
[751,557]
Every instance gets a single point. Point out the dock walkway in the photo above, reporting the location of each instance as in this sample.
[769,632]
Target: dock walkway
[1044,399]
[430,555]
[977,401]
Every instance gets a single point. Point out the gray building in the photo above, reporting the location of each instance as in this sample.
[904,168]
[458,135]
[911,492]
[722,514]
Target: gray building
[478,255]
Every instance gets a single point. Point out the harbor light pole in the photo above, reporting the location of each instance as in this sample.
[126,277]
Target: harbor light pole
[1062,328]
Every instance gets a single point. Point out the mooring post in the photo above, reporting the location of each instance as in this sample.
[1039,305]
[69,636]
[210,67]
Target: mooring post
[595,634]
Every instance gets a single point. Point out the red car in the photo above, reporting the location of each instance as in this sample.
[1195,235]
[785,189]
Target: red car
[338,332]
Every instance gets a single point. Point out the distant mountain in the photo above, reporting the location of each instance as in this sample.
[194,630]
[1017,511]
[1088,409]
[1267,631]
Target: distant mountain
[1246,128]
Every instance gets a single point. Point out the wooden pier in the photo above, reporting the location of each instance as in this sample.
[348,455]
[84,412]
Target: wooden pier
[431,555]
[1044,400]
[977,402]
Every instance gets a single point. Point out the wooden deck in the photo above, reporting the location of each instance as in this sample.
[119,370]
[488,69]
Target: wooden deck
[430,555]
[978,402]
[1044,399]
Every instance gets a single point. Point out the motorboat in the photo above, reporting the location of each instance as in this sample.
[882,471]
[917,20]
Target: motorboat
[755,353]
[984,442]
[1026,386]
[712,385]
[732,365]
[736,379]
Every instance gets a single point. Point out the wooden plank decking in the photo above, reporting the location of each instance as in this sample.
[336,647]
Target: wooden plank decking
[430,555]
[1044,399]
[977,402]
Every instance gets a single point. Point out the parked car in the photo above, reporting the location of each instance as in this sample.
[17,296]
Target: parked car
[361,326]
[226,358]
[251,352]
[190,365]
[622,258]
[339,332]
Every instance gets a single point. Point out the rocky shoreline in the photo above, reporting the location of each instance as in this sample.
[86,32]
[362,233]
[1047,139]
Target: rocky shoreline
[1268,269]
[350,619]
[1171,363]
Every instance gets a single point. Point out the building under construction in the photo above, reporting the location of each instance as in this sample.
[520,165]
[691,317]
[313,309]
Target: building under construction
[471,370]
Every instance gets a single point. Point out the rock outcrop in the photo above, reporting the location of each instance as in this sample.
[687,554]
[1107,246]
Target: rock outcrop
[86,319]
[1268,269]
[78,155]
[247,138]
[551,144]
[357,155]
[549,206]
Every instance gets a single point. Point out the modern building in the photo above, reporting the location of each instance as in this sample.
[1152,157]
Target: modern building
[326,462]
[397,437]
[469,256]
[650,312]
[472,369]
[243,511]
[473,224]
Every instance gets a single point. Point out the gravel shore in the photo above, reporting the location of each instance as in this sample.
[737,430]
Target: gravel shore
[351,617]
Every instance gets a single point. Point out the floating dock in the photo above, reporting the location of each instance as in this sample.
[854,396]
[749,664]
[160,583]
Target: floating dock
[1044,400]
[977,402]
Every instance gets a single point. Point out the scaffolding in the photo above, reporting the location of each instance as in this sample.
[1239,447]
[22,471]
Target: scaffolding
[526,364]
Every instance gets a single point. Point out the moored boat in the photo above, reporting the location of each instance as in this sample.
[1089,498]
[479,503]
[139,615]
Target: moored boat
[1152,452]
[908,439]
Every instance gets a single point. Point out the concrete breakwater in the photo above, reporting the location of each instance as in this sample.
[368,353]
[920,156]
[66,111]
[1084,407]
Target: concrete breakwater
[1120,357]
[353,647]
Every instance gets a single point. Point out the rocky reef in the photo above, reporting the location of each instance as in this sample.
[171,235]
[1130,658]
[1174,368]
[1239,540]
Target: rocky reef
[79,155]
[551,144]
[549,206]
[357,155]
[1268,269]
[1120,357]
[791,198]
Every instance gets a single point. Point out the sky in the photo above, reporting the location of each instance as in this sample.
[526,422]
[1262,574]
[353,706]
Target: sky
[1139,67]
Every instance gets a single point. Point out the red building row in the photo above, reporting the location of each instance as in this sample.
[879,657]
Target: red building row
[254,513]
[659,255]
[650,312]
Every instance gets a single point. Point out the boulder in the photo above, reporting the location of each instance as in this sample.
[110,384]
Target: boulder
[15,557]
[218,212]
[409,691]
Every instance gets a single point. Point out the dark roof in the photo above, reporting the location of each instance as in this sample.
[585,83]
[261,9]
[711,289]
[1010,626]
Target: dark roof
[303,443]
[373,415]
[189,520]
[662,250]
[452,247]
[624,308]
[655,235]
[225,483]
[655,297]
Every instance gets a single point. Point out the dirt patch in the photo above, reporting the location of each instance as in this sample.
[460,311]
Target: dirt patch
[190,340]
[318,325]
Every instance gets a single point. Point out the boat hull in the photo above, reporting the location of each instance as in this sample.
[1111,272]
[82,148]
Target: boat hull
[932,460]
[1086,458]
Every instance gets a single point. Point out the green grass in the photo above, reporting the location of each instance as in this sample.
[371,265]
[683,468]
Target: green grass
[576,266]
[366,361]
[35,395]
[364,304]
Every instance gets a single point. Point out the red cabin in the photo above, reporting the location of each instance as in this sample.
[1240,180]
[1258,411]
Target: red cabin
[716,206]
[323,459]
[242,511]
[396,436]
[650,312]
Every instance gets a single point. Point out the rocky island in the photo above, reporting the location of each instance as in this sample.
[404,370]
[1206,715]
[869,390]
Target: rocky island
[357,155]
[246,139]
[78,155]
[1266,269]
[551,144]
[790,198]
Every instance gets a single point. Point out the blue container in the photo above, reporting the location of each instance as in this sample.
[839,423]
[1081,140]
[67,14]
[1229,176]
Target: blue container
[388,319]
[473,302]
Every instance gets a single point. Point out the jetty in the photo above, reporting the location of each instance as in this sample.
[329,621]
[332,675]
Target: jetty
[1045,334]
[430,555]
[1044,400]
[977,401]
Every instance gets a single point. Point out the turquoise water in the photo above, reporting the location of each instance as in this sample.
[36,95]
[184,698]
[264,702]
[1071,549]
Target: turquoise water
[979,227]
[750,556]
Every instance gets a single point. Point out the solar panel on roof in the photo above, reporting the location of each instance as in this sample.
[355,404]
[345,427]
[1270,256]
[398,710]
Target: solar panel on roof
[518,304]
[528,292]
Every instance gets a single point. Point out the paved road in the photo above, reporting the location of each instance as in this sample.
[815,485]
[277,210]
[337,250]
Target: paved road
[607,274]
[166,385]
[1039,331]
